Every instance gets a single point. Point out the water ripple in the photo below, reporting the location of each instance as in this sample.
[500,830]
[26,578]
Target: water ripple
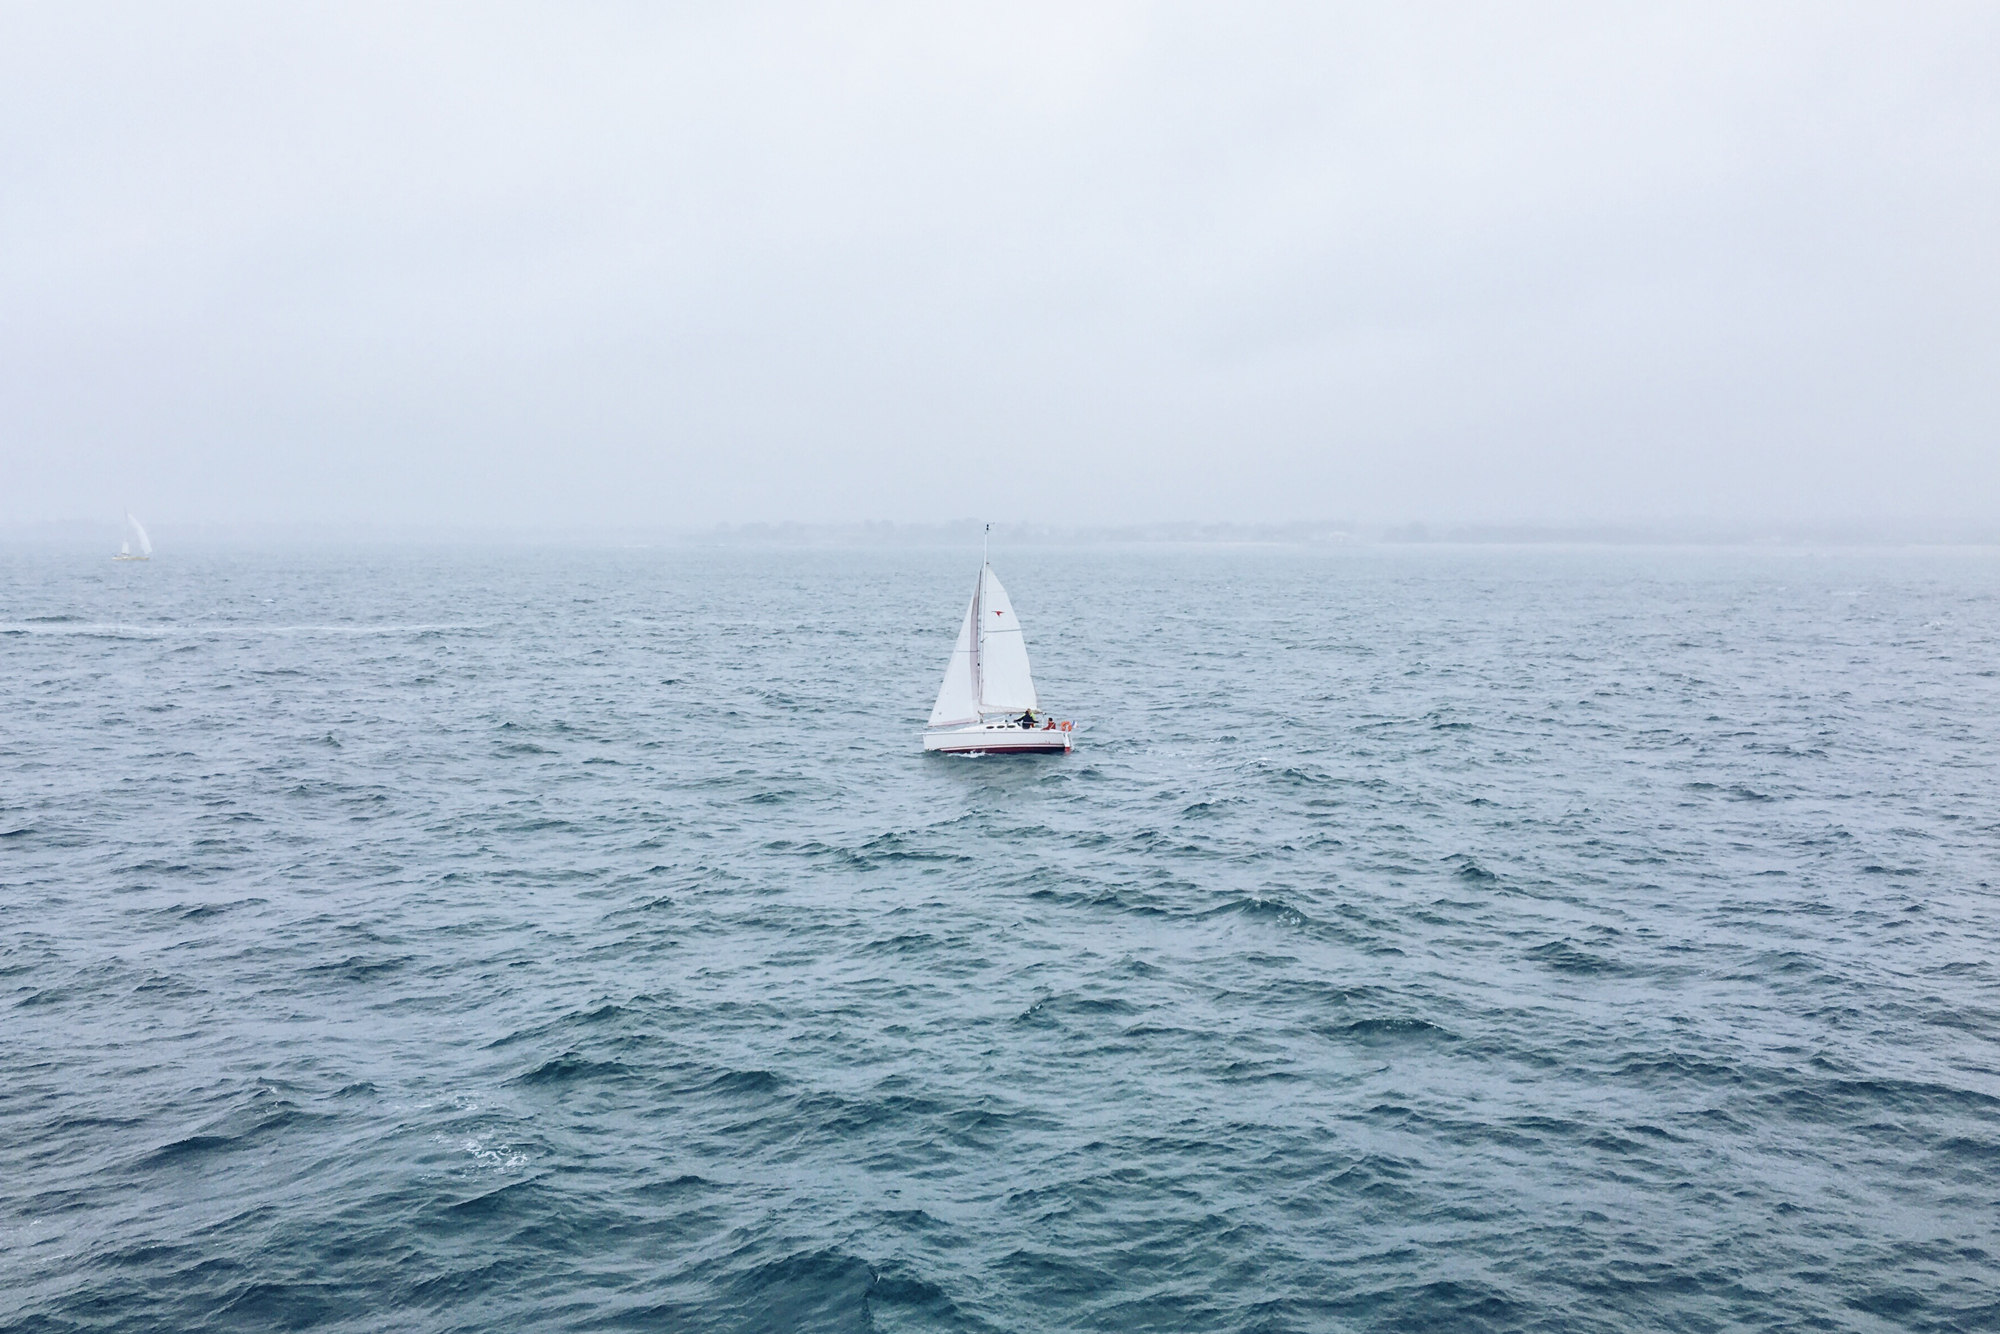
[1419,939]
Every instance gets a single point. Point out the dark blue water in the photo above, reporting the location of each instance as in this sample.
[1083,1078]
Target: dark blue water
[1418,939]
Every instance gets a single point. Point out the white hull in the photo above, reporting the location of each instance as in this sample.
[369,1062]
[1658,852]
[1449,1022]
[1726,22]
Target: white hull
[131,558]
[998,739]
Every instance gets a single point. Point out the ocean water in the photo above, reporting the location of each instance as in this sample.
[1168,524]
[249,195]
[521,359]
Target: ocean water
[1419,939]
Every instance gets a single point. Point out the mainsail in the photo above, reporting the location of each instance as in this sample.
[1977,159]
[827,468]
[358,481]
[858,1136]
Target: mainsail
[139,531]
[1005,685]
[988,672]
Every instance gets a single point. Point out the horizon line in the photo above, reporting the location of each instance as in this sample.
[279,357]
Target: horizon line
[1851,531]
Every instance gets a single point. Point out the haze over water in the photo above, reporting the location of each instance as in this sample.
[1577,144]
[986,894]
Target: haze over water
[1468,939]
[614,265]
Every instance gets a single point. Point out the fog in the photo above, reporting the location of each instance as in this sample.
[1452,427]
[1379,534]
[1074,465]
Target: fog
[625,265]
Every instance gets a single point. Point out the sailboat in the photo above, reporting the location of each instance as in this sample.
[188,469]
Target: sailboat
[987,704]
[137,532]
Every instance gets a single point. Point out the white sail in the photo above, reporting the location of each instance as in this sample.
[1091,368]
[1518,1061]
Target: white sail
[1005,685]
[139,531]
[958,697]
[988,672]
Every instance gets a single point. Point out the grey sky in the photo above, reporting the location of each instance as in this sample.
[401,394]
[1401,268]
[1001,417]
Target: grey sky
[627,264]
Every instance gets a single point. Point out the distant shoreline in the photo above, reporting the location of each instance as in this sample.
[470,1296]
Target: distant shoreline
[960,533]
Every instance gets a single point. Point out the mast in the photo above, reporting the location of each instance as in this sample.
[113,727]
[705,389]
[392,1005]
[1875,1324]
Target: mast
[979,633]
[979,627]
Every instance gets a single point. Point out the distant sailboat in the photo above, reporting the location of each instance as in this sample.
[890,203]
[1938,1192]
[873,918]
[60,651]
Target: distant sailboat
[988,678]
[136,533]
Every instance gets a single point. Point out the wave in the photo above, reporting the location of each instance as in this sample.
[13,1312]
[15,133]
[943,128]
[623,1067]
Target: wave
[1387,1029]
[232,1134]
[574,1068]
[1564,957]
[821,1290]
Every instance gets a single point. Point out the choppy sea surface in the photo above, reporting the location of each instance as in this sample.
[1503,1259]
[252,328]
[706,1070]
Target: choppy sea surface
[1418,939]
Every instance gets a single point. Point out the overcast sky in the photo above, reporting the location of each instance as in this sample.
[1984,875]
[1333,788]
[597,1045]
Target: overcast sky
[645,264]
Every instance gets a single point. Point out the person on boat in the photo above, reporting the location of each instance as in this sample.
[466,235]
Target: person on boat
[1027,719]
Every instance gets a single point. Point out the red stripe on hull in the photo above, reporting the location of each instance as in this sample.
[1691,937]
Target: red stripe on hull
[1002,750]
